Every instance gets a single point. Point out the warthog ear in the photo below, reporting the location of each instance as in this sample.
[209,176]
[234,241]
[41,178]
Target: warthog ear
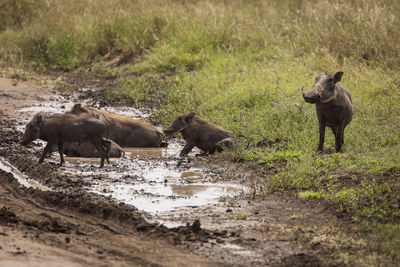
[189,117]
[323,73]
[337,77]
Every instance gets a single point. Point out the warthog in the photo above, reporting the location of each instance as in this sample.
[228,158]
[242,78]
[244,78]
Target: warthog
[197,132]
[334,106]
[123,130]
[58,129]
[87,150]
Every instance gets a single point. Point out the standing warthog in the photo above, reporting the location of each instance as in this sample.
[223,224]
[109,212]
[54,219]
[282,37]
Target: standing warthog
[123,130]
[58,129]
[87,150]
[197,132]
[334,106]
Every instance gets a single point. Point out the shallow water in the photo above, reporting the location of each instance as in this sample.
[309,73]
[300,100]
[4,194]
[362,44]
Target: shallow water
[154,198]
[154,180]
[157,180]
[238,250]
[62,104]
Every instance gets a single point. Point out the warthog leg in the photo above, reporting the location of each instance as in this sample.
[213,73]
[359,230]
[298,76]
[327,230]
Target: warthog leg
[339,137]
[107,147]
[186,149]
[322,125]
[61,151]
[98,145]
[46,150]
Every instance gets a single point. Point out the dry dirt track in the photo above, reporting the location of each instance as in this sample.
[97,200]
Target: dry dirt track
[73,228]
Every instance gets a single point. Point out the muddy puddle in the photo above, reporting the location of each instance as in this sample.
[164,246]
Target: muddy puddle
[20,177]
[154,180]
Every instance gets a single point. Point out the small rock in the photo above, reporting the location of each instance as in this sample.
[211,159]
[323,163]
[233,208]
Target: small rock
[220,241]
[196,226]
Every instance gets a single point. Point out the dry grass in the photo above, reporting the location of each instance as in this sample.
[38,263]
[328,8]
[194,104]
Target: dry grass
[238,64]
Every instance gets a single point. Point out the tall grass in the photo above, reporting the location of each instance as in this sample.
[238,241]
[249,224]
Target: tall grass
[81,30]
[66,35]
[239,64]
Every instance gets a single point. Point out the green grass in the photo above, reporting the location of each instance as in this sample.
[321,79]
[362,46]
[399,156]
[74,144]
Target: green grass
[240,65]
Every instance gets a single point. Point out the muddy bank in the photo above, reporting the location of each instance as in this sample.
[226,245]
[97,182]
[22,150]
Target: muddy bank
[56,229]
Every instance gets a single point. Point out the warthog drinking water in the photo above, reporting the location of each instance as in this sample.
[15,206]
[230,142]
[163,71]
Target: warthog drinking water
[197,132]
[58,129]
[123,130]
[334,106]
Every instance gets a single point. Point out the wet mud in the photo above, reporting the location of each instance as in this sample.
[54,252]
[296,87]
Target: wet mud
[192,203]
[154,180]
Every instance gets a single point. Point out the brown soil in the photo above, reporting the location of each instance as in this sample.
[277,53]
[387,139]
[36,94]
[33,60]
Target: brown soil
[71,227]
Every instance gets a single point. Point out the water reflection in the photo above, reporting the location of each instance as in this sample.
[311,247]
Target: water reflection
[160,197]
[144,152]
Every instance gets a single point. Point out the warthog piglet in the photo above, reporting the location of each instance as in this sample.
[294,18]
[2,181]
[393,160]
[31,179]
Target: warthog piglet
[57,129]
[197,132]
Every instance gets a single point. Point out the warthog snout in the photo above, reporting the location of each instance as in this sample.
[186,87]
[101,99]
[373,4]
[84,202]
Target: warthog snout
[311,97]
[32,131]
[168,131]
[307,96]
[180,123]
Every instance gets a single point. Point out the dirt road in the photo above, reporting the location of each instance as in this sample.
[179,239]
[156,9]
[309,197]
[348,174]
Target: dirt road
[70,226]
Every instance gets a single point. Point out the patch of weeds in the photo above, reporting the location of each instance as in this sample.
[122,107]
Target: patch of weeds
[368,201]
[171,61]
[100,69]
[17,75]
[34,48]
[269,158]
[58,52]
[136,90]
[62,54]
[139,90]
[385,237]
[287,179]
[241,216]
[313,195]
[346,198]
[394,169]
[279,156]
